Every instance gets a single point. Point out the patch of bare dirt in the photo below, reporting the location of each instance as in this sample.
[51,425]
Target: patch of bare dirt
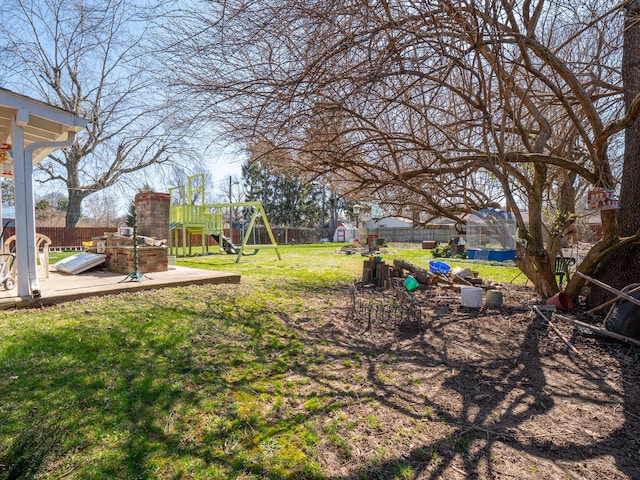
[429,389]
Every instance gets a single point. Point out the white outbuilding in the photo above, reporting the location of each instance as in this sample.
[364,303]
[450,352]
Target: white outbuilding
[346,232]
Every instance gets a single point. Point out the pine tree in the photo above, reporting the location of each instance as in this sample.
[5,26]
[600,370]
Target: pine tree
[286,200]
[130,219]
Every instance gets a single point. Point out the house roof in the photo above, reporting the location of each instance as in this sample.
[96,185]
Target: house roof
[40,122]
[388,222]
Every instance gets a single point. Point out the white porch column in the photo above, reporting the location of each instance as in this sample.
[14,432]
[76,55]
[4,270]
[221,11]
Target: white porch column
[25,212]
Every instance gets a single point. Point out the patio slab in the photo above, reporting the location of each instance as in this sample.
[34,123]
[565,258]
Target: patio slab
[62,287]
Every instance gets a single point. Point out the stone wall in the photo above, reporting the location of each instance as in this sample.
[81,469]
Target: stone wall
[119,252]
[152,212]
[150,259]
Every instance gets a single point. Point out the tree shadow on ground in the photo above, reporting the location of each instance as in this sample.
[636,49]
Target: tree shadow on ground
[512,399]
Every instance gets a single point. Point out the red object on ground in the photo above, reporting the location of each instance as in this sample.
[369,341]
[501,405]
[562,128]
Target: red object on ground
[561,301]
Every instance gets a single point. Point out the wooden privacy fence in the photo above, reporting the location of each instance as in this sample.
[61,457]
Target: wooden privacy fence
[438,233]
[259,236]
[66,238]
[72,238]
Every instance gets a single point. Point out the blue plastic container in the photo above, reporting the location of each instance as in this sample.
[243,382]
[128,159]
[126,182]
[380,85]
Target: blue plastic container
[490,255]
[439,267]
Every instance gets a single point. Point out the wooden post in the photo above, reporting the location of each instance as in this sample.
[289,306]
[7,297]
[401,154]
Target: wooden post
[368,272]
[382,278]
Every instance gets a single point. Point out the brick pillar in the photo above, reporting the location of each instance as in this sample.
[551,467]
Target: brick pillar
[152,212]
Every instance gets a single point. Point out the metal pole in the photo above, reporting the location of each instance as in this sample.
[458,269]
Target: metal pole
[610,289]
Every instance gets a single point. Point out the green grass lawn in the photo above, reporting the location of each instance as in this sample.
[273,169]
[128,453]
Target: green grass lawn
[199,382]
[57,256]
[317,263]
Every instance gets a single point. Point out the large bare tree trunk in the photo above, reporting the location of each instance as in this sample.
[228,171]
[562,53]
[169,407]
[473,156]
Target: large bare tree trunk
[533,259]
[623,266]
[74,208]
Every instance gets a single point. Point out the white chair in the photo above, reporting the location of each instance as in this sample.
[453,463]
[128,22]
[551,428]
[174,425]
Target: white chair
[42,248]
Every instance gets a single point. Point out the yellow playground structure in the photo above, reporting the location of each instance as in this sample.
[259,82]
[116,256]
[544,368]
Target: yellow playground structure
[189,215]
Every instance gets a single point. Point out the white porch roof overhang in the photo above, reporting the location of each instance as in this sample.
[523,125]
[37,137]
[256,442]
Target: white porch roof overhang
[34,129]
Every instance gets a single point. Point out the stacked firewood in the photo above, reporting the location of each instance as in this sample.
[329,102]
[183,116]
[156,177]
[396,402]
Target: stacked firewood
[426,277]
[376,272]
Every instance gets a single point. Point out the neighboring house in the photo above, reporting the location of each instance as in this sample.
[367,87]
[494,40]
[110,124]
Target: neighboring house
[389,222]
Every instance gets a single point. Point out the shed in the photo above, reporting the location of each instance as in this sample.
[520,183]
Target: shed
[29,131]
[346,232]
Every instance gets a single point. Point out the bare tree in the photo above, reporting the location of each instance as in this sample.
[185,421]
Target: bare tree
[100,212]
[439,106]
[89,58]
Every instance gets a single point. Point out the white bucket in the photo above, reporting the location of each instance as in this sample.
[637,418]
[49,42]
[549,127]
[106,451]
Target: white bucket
[471,297]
